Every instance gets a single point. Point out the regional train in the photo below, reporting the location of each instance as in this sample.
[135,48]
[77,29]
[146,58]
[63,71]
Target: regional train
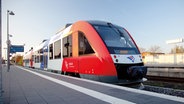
[95,50]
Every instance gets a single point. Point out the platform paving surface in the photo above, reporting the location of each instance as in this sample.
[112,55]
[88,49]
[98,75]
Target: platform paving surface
[23,87]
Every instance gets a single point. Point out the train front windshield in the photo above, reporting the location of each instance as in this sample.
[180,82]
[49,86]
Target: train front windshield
[117,39]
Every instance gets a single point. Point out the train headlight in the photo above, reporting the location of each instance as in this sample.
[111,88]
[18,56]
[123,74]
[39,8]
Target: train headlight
[117,60]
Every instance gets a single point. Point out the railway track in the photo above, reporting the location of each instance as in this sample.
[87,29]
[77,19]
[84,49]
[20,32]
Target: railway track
[165,79]
[166,85]
[166,82]
[163,90]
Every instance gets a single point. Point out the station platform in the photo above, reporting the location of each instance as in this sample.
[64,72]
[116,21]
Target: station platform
[32,86]
[157,65]
[166,70]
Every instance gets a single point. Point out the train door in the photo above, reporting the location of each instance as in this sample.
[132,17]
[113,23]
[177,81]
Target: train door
[39,59]
[88,62]
[70,61]
[31,60]
[45,57]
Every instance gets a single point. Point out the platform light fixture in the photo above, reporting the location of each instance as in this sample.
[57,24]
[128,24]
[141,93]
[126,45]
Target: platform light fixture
[175,41]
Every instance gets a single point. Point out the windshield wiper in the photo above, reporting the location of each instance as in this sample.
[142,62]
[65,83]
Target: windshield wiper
[116,29]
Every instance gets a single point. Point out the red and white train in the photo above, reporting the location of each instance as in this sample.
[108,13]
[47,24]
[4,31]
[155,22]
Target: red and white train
[93,50]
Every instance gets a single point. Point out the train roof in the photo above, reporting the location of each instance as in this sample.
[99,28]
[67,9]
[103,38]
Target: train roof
[97,22]
[42,45]
[102,23]
[68,26]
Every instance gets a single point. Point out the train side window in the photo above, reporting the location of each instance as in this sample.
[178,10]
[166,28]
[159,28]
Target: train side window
[32,57]
[35,54]
[84,46]
[67,46]
[51,51]
[57,49]
[35,58]
[38,57]
[41,55]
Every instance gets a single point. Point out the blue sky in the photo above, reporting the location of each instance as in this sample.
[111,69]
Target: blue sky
[150,22]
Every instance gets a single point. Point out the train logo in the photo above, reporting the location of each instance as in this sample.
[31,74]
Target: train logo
[131,58]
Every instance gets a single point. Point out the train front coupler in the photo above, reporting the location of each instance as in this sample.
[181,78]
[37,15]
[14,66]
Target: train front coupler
[136,72]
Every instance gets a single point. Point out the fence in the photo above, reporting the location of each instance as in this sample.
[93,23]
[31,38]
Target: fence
[164,59]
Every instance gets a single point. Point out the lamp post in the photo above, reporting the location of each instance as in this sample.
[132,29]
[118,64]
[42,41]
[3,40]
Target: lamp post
[1,81]
[8,41]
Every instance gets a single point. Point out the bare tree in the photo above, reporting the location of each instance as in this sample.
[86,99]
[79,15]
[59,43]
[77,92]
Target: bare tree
[177,49]
[155,49]
[142,49]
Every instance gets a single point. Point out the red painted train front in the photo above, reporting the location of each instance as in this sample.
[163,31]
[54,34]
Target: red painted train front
[96,50]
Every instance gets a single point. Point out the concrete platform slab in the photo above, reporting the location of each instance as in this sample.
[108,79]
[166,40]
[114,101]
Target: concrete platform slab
[30,86]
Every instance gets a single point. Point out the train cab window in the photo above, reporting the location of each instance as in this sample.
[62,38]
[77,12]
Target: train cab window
[117,39]
[84,46]
[67,46]
[51,51]
[57,49]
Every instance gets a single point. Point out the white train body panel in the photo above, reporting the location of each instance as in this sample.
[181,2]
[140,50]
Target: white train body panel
[36,65]
[126,59]
[38,54]
[56,64]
